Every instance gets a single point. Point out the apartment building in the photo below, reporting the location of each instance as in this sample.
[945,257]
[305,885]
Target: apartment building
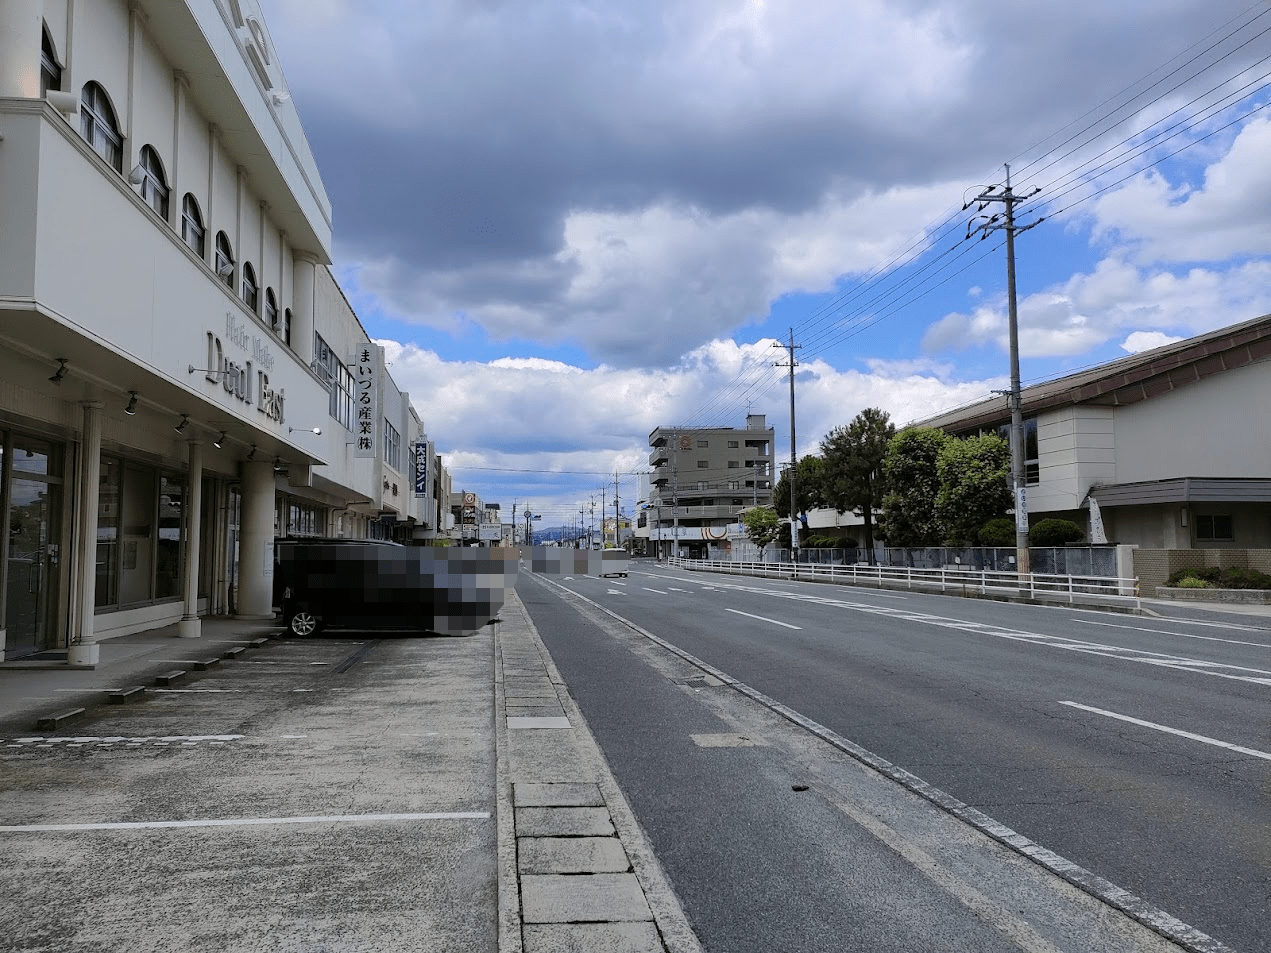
[181,378]
[702,480]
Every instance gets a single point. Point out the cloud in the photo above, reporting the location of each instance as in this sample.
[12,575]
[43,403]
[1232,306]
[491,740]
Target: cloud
[1146,340]
[562,171]
[543,415]
[1088,310]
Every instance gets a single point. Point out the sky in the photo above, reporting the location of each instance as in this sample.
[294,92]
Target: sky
[570,222]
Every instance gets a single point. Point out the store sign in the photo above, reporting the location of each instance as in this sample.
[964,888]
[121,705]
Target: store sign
[421,468]
[365,390]
[245,376]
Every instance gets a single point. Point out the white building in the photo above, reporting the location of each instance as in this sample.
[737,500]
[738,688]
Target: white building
[181,378]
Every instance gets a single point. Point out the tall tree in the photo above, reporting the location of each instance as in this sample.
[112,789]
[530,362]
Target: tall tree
[808,478]
[853,458]
[762,524]
[974,486]
[911,483]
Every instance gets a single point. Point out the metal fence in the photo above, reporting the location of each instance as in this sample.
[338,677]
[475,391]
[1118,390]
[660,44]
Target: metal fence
[1055,560]
[965,580]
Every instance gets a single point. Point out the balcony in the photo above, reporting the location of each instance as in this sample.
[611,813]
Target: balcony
[660,475]
[659,456]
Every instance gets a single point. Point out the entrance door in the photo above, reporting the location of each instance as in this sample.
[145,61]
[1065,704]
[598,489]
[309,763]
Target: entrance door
[32,553]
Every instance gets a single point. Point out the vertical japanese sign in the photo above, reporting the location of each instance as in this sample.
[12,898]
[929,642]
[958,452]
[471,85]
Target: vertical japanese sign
[365,417]
[421,468]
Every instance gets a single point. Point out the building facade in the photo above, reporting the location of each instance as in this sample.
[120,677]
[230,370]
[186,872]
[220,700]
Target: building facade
[181,378]
[702,480]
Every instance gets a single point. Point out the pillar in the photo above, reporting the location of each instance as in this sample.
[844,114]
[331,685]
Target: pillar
[189,626]
[21,32]
[256,541]
[83,648]
[303,289]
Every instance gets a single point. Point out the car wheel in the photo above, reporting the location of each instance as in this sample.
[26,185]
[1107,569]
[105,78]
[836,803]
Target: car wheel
[302,622]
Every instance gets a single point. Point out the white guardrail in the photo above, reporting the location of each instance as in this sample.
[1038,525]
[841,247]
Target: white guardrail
[1043,587]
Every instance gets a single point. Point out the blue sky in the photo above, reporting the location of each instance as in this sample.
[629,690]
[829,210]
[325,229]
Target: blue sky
[572,222]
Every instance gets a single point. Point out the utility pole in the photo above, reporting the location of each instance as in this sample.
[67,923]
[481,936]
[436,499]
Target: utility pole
[794,460]
[514,522]
[675,495]
[604,495]
[1006,222]
[617,536]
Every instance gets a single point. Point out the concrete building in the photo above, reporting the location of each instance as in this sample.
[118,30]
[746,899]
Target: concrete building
[703,478]
[181,378]
[1165,449]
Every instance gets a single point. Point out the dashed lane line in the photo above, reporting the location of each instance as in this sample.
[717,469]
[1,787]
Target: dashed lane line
[1181,635]
[763,618]
[1173,731]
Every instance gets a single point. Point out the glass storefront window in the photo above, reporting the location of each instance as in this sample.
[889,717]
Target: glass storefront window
[108,534]
[139,534]
[167,577]
[136,520]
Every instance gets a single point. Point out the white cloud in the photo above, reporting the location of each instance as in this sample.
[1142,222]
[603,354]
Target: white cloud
[1088,310]
[1146,340]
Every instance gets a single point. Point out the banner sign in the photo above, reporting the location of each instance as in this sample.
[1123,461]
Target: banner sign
[421,468]
[365,417]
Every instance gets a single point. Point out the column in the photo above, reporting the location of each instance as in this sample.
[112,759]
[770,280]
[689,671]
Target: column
[303,277]
[21,32]
[83,649]
[256,541]
[189,626]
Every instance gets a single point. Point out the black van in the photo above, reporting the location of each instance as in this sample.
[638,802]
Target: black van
[371,584]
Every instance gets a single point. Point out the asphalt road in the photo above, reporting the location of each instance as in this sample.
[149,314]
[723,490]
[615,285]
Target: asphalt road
[1020,711]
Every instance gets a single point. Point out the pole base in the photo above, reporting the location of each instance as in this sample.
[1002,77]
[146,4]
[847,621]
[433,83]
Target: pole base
[189,628]
[83,654]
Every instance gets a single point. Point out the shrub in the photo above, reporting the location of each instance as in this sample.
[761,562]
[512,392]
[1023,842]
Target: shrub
[998,532]
[1212,577]
[1055,533]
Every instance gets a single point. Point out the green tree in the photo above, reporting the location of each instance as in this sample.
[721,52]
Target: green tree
[762,524]
[911,483]
[853,467]
[974,486]
[808,479]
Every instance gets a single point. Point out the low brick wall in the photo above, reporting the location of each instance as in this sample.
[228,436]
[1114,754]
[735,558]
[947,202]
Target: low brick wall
[1154,566]
[1251,597]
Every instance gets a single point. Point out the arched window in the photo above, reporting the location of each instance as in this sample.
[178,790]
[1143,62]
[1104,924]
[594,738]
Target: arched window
[192,230]
[250,289]
[98,126]
[224,260]
[271,310]
[50,70]
[154,184]
[286,327]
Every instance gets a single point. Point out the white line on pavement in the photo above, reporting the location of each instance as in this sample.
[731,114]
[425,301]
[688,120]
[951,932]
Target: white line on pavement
[248,821]
[1173,731]
[660,592]
[762,618]
[1181,635]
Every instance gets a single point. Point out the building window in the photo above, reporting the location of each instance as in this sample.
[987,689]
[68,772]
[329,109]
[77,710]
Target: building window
[139,519]
[734,464]
[50,71]
[703,443]
[98,126]
[251,293]
[192,230]
[702,464]
[732,445]
[701,484]
[224,260]
[343,400]
[1214,528]
[154,184]
[392,446]
[323,360]
[286,327]
[305,519]
[271,310]
[734,485]
[1032,467]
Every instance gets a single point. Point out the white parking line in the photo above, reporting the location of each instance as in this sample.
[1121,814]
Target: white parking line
[763,618]
[247,822]
[1173,731]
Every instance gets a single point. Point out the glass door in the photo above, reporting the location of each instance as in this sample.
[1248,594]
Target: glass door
[34,503]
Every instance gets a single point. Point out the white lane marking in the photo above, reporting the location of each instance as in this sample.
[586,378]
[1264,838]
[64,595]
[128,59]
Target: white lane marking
[615,592]
[248,822]
[42,742]
[615,582]
[763,618]
[674,589]
[1173,731]
[195,691]
[660,592]
[1181,635]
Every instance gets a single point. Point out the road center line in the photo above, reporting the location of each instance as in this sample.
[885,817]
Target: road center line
[1173,731]
[1181,635]
[660,592]
[248,821]
[762,618]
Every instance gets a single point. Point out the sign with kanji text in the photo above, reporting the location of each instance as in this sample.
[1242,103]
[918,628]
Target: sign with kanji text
[421,468]
[365,367]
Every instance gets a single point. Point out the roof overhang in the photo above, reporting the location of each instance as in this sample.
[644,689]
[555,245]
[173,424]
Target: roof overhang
[1184,490]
